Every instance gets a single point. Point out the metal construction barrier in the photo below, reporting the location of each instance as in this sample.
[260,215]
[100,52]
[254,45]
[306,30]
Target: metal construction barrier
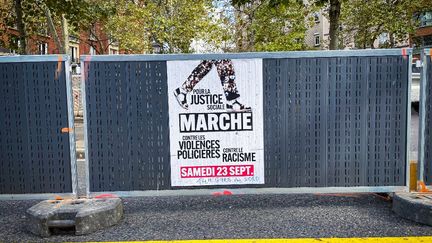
[425,120]
[37,143]
[320,121]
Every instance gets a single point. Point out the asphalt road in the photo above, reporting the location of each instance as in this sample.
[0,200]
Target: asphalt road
[238,216]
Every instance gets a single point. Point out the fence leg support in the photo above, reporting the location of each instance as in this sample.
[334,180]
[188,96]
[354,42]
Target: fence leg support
[413,176]
[414,206]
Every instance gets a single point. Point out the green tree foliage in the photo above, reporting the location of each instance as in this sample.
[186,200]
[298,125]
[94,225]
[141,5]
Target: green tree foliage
[173,24]
[23,16]
[269,25]
[280,28]
[364,21]
[34,18]
[94,19]
[131,25]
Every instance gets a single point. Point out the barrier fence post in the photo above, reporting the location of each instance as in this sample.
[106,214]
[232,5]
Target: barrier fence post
[71,120]
[408,125]
[85,69]
[422,118]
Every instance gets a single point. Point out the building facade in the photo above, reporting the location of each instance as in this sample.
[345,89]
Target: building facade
[93,42]
[317,35]
[423,35]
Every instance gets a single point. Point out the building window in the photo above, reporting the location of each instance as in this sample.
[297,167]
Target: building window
[73,51]
[92,50]
[317,39]
[427,41]
[316,18]
[383,38]
[74,39]
[426,19]
[43,48]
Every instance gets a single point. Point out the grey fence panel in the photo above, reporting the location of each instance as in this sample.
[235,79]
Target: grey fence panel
[332,122]
[127,126]
[426,121]
[294,93]
[35,154]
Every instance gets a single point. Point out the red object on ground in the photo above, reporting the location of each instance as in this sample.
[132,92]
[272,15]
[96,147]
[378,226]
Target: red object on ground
[225,192]
[216,171]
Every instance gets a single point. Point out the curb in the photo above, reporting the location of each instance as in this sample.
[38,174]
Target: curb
[414,206]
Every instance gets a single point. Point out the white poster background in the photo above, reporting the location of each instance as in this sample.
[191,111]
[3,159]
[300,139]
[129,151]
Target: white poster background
[249,82]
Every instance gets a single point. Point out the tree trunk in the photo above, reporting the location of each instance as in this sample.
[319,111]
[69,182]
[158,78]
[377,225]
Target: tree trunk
[22,45]
[243,35]
[239,30]
[65,33]
[392,40]
[101,48]
[335,8]
[52,29]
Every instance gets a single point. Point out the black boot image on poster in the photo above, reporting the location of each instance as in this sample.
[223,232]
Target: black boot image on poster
[225,70]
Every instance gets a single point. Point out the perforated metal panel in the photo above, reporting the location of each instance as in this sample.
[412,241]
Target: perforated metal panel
[427,147]
[329,122]
[335,121]
[127,126]
[34,154]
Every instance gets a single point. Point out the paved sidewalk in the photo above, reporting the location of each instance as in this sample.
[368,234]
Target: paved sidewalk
[238,216]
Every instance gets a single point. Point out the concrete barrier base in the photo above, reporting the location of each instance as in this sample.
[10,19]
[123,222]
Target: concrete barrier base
[414,206]
[83,216]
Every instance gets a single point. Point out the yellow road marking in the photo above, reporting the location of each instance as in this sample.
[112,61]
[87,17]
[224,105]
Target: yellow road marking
[426,239]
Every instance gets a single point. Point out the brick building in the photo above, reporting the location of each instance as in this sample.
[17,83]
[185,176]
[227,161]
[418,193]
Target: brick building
[94,42]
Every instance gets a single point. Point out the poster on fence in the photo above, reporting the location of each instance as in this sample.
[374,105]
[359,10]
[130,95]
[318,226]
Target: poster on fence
[216,122]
